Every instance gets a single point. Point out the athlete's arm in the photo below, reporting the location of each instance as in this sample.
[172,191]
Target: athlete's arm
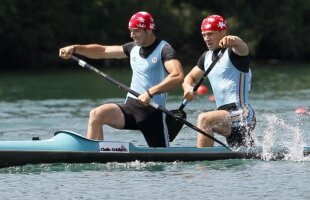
[189,81]
[94,51]
[238,46]
[175,77]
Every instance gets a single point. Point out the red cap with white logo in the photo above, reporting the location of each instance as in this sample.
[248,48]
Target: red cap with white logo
[142,20]
[213,23]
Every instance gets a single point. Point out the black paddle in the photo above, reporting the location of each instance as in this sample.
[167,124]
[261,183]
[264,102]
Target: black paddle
[174,124]
[126,88]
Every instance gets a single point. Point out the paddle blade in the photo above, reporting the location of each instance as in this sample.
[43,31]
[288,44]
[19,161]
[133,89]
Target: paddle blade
[174,124]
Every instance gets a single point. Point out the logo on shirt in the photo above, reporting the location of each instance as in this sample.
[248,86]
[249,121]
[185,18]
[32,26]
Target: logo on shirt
[154,60]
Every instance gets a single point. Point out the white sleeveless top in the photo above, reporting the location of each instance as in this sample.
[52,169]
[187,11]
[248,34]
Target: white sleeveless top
[229,85]
[148,72]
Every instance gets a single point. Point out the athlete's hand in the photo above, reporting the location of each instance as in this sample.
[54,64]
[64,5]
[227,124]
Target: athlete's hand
[144,99]
[189,94]
[229,41]
[238,46]
[66,52]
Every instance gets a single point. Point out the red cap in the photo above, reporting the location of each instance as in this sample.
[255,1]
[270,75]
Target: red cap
[213,23]
[142,20]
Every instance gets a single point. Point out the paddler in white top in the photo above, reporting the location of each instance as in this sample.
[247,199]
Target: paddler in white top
[156,70]
[230,80]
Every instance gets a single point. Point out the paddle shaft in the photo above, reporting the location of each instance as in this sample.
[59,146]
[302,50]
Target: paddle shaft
[156,106]
[204,76]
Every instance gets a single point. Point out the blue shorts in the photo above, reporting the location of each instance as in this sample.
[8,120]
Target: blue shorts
[148,120]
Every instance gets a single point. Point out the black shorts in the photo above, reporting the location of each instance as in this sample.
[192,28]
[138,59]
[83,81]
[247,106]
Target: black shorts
[148,120]
[241,136]
[241,129]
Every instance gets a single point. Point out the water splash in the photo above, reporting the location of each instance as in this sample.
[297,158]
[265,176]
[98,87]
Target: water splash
[269,139]
[282,135]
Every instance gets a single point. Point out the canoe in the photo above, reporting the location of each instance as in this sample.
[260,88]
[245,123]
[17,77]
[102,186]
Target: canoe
[69,147]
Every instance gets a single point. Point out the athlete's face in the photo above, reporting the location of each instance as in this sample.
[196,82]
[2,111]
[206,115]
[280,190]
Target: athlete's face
[139,36]
[212,38]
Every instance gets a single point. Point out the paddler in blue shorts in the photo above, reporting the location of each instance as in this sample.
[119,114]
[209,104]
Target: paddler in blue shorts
[156,70]
[230,80]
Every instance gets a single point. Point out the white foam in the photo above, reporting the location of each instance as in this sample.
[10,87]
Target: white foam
[280,134]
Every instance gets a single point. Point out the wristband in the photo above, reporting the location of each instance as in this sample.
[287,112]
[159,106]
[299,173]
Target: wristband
[150,95]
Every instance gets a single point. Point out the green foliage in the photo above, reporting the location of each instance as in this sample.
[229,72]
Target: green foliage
[32,31]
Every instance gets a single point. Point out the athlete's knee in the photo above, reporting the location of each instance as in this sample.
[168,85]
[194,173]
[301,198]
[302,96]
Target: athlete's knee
[94,117]
[203,118]
[203,122]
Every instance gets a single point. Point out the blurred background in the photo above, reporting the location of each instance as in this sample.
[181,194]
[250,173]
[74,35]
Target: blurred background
[32,31]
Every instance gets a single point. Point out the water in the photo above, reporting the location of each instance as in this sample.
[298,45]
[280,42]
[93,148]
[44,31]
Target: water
[278,126]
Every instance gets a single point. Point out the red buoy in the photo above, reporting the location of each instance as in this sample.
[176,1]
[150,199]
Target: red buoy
[202,90]
[212,98]
[301,111]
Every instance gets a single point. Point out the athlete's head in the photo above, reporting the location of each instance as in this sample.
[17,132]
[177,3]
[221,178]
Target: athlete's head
[141,26]
[213,29]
